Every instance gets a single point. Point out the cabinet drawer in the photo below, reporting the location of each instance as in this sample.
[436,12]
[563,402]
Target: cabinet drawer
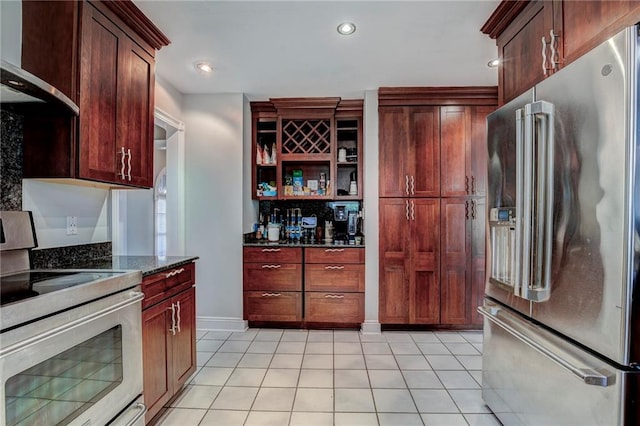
[272,306]
[179,275]
[334,255]
[334,307]
[272,254]
[164,284]
[334,277]
[273,276]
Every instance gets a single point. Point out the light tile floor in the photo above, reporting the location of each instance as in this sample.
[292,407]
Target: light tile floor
[341,378]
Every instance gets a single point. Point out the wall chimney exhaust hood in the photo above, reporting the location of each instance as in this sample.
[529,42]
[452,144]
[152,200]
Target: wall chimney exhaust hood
[20,88]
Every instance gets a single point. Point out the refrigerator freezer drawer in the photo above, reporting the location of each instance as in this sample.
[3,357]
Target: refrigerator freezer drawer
[532,377]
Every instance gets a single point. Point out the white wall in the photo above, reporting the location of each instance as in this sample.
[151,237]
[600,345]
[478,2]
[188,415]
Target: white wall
[168,98]
[371,324]
[250,207]
[11,31]
[51,203]
[214,200]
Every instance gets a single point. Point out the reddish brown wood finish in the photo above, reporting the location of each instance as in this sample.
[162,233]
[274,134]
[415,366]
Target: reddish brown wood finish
[409,267]
[434,96]
[478,142]
[169,357]
[334,255]
[409,151]
[334,277]
[273,306]
[273,276]
[89,51]
[455,132]
[272,254]
[334,307]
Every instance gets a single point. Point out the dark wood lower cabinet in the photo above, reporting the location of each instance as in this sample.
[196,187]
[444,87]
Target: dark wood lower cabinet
[168,338]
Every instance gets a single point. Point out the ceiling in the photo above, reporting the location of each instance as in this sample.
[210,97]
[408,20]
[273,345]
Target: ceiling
[292,49]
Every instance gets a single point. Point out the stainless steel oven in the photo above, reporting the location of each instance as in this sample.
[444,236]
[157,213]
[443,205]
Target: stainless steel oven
[70,341]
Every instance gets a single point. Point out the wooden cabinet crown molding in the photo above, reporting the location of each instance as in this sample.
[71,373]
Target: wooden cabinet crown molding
[134,18]
[409,96]
[305,103]
[504,14]
[263,107]
[350,107]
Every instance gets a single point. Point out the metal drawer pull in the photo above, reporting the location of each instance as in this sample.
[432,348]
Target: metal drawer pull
[179,320]
[270,294]
[413,210]
[473,184]
[589,376]
[333,250]
[270,250]
[173,319]
[122,165]
[406,209]
[175,272]
[413,185]
[129,165]
[334,267]
[334,296]
[271,266]
[406,184]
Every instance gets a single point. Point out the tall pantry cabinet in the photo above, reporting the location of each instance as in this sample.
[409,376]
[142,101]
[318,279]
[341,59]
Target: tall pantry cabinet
[432,187]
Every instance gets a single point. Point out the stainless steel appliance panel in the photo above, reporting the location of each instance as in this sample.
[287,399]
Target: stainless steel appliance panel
[593,142]
[501,193]
[533,377]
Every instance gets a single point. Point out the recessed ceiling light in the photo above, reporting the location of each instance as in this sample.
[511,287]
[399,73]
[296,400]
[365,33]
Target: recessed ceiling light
[347,28]
[204,67]
[493,63]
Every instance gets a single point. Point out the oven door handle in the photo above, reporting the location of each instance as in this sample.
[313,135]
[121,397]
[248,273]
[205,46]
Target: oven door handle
[143,410]
[134,297]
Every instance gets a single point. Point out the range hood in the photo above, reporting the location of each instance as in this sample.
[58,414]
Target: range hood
[21,88]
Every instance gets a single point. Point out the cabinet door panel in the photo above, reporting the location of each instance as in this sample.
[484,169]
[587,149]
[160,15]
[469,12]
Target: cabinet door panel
[272,306]
[272,254]
[334,277]
[156,322]
[393,149]
[425,152]
[135,112]
[425,265]
[586,24]
[334,307]
[394,258]
[98,96]
[520,50]
[273,276]
[454,261]
[478,142]
[455,128]
[184,341]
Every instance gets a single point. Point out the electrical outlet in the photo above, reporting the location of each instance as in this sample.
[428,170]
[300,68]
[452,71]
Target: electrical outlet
[72,225]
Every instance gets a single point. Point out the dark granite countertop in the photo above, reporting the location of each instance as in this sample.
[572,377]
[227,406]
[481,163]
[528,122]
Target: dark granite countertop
[147,264]
[288,244]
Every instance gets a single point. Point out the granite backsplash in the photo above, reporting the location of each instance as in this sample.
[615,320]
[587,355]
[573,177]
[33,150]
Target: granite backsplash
[70,256]
[11,161]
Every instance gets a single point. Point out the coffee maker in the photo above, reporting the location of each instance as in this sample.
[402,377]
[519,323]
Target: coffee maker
[352,227]
[340,222]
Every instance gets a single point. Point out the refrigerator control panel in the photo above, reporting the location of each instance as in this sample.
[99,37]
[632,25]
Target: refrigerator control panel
[503,215]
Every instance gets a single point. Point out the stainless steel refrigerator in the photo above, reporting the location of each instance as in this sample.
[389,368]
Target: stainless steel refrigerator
[562,306]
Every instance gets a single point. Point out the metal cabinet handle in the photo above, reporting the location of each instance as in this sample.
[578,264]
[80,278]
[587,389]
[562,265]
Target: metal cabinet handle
[413,210]
[143,410]
[334,296]
[270,294]
[466,210]
[334,267]
[270,250]
[589,376]
[466,184]
[553,37]
[178,315]
[173,319]
[473,184]
[122,165]
[271,266]
[129,165]
[334,250]
[413,185]
[406,184]
[544,56]
[406,209]
[175,272]
[473,209]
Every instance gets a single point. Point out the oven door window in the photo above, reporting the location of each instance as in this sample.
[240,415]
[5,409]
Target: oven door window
[59,389]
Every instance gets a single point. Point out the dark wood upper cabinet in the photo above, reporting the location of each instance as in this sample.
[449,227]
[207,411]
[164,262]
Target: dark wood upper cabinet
[101,55]
[569,29]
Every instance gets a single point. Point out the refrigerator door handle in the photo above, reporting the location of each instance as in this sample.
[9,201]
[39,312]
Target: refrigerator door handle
[590,376]
[538,197]
[521,209]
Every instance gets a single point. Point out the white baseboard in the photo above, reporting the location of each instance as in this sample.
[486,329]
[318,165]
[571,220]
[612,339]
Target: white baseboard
[370,327]
[221,324]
